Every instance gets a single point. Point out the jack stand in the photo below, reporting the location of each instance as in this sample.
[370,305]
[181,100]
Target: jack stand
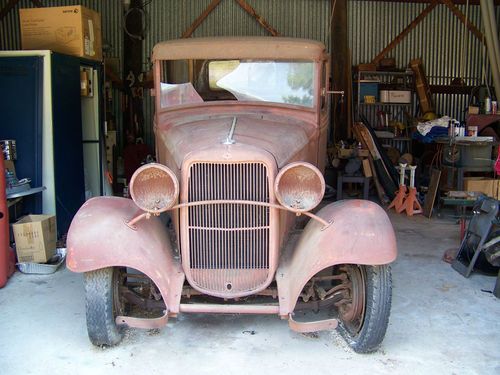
[398,201]
[411,204]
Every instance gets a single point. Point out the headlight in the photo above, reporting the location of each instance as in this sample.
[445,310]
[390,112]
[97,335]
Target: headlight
[299,186]
[154,188]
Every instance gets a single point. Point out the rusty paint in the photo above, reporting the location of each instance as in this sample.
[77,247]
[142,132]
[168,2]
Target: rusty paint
[300,187]
[361,234]
[154,188]
[308,327]
[208,308]
[151,323]
[228,202]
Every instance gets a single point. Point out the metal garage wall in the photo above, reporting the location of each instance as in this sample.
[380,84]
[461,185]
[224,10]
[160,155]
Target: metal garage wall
[437,40]
[372,25]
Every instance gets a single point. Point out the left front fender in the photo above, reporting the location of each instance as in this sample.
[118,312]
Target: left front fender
[360,233]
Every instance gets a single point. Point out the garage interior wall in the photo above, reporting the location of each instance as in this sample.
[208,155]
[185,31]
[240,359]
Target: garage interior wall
[372,25]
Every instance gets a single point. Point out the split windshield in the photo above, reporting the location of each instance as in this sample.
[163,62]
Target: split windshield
[196,81]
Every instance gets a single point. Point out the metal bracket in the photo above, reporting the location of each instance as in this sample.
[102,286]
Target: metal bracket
[130,321]
[307,327]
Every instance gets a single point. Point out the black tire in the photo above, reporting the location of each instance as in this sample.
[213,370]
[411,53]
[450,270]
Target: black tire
[101,305]
[367,335]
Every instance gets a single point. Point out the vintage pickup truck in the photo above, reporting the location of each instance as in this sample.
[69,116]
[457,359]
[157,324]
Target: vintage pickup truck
[241,128]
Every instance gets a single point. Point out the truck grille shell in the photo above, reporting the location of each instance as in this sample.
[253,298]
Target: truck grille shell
[228,249]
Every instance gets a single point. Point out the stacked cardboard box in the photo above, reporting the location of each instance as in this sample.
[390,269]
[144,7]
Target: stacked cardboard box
[487,186]
[73,30]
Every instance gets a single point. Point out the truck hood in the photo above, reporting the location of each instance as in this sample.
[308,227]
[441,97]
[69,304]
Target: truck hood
[280,136]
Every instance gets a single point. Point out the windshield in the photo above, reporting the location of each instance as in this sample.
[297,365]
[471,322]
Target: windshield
[286,82]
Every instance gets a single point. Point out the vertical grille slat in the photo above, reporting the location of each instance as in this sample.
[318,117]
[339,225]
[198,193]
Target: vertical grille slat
[228,242]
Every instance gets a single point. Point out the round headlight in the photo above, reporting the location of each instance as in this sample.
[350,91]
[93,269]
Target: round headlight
[154,188]
[299,186]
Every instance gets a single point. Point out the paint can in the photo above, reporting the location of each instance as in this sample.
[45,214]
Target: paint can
[487,106]
[472,131]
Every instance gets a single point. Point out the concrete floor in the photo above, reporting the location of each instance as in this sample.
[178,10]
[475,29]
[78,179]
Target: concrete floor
[441,323]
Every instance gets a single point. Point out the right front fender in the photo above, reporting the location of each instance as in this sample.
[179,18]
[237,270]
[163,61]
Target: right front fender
[99,237]
[360,233]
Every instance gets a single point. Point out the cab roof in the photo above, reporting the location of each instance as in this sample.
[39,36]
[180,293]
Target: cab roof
[272,48]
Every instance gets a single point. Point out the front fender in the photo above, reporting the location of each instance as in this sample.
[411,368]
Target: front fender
[98,237]
[360,233]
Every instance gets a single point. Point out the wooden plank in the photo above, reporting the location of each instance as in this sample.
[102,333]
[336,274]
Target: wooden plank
[247,8]
[430,197]
[340,69]
[197,22]
[473,29]
[378,186]
[405,32]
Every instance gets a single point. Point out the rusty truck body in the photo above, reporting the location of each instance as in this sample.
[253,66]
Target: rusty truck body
[241,129]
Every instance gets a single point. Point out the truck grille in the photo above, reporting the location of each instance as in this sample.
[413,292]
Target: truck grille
[228,242]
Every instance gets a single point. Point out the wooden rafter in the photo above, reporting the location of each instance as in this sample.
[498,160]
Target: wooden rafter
[462,18]
[197,22]
[450,4]
[242,3]
[247,8]
[405,32]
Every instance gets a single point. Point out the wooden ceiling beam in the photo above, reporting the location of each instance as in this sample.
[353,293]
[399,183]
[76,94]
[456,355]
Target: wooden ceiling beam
[247,8]
[473,29]
[456,2]
[197,22]
[405,32]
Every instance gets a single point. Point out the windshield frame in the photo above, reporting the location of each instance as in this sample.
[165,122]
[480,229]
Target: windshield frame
[317,85]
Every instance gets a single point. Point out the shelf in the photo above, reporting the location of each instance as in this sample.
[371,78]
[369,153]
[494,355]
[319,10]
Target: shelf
[386,104]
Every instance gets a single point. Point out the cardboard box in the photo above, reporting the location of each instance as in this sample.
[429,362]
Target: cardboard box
[73,30]
[35,237]
[367,88]
[395,96]
[484,185]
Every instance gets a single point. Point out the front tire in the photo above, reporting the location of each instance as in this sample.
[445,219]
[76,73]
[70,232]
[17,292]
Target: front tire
[364,317]
[102,305]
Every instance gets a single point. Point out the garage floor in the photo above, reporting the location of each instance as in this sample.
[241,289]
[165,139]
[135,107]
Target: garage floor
[441,323]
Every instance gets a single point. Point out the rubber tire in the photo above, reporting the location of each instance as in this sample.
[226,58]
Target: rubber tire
[378,289]
[101,326]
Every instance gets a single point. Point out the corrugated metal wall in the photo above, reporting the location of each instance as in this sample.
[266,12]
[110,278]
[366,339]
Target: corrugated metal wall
[437,40]
[372,25]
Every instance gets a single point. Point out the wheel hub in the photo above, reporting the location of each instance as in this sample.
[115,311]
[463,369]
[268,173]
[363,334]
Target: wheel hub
[352,307]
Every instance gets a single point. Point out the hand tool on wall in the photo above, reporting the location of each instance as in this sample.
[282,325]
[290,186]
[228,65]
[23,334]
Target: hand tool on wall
[411,204]
[398,201]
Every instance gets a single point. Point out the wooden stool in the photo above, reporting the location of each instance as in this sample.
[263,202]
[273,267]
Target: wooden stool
[341,179]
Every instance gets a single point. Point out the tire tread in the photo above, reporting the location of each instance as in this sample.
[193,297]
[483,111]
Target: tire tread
[101,326]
